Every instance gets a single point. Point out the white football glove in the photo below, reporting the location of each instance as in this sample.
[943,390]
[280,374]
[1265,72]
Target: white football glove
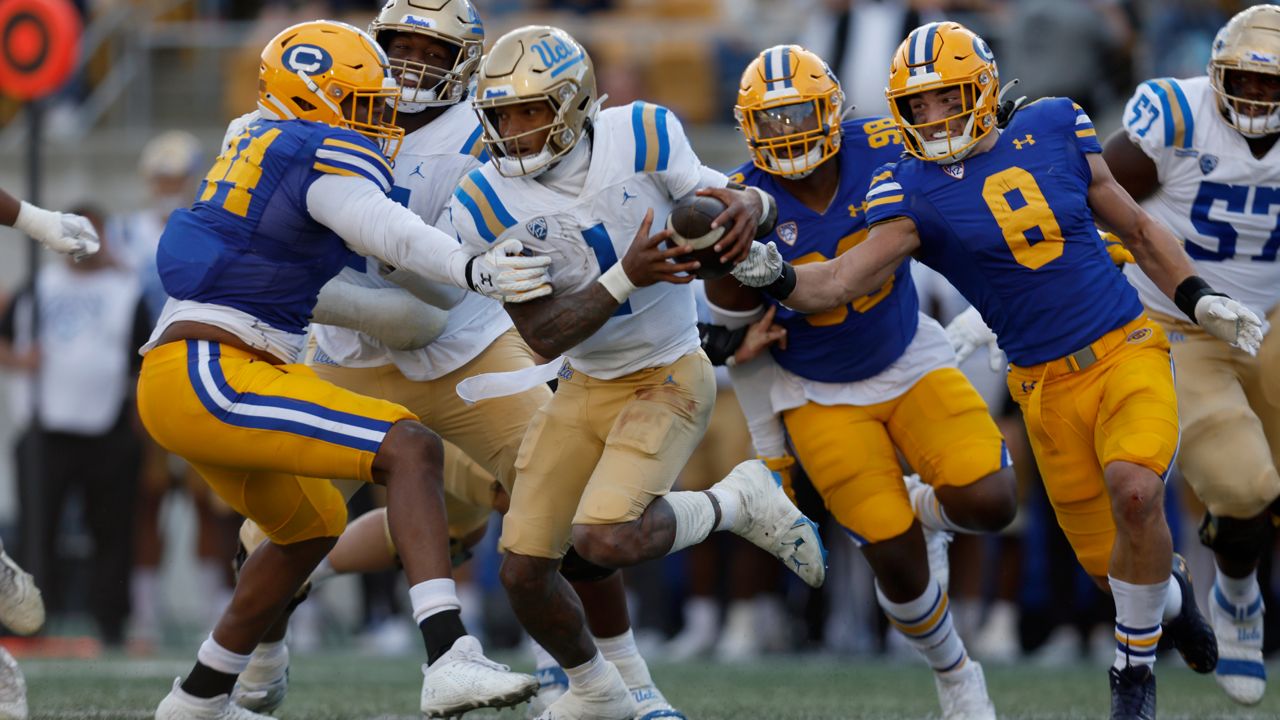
[61,232]
[1229,321]
[762,266]
[967,332]
[504,274]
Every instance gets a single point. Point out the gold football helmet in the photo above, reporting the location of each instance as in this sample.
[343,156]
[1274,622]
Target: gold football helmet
[454,22]
[939,56]
[1249,42]
[531,64]
[333,73]
[789,105]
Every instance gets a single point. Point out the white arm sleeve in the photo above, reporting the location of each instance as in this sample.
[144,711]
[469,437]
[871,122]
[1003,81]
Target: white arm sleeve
[373,224]
[752,384]
[389,315]
[710,177]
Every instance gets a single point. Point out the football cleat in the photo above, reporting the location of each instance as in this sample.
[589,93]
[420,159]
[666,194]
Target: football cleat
[21,607]
[179,705]
[651,705]
[263,684]
[769,520]
[1190,632]
[13,689]
[464,679]
[1133,693]
[552,683]
[936,543]
[1240,671]
[963,693]
[611,702]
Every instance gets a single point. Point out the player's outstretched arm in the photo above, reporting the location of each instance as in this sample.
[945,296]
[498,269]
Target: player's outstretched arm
[373,224]
[815,287]
[553,325]
[61,232]
[1162,258]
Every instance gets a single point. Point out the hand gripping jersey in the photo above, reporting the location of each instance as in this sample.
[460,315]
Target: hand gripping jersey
[640,159]
[432,160]
[858,340]
[1011,228]
[248,243]
[1221,201]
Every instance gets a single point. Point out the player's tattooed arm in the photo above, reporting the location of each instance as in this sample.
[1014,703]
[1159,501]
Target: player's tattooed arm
[552,325]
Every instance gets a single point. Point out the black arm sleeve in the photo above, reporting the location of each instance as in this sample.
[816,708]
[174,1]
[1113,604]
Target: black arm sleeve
[141,334]
[719,342]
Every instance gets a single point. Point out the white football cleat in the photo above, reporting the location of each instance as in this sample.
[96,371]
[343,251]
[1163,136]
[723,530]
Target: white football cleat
[464,679]
[769,520]
[963,693]
[263,684]
[613,701]
[651,705]
[936,543]
[21,607]
[552,683]
[13,689]
[1240,671]
[179,705]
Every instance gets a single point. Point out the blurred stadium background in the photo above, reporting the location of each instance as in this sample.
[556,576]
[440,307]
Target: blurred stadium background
[151,66]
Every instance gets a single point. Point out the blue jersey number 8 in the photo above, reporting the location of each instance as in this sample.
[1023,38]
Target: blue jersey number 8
[1266,201]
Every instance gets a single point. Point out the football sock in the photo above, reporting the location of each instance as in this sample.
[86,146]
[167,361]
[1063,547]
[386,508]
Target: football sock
[439,615]
[541,658]
[1238,591]
[1139,609]
[926,624]
[215,670]
[927,509]
[1172,602]
[621,650]
[589,675]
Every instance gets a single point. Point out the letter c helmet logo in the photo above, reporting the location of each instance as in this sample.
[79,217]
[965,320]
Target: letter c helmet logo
[309,59]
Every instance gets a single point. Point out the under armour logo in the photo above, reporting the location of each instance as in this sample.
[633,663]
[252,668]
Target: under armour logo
[486,279]
[1028,386]
[418,171]
[626,195]
[1028,140]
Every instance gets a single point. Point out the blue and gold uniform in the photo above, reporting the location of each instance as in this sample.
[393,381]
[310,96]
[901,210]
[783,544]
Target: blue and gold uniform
[248,257]
[850,452]
[1011,228]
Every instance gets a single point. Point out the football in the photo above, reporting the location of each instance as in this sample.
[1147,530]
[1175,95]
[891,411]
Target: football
[690,223]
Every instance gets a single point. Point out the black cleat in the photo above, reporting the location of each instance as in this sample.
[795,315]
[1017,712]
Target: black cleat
[1133,693]
[1190,632]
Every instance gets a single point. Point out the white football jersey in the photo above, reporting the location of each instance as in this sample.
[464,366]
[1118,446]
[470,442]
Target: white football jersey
[640,159]
[431,162]
[1221,201]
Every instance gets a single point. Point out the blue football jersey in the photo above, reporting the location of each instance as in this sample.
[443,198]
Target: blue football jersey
[248,242]
[1011,228]
[858,340]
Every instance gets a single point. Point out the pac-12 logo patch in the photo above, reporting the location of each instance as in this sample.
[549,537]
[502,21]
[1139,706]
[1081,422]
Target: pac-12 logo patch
[788,232]
[1208,163]
[955,170]
[307,59]
[537,227]
[1139,335]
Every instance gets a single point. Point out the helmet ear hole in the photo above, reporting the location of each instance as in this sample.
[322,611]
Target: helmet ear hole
[304,104]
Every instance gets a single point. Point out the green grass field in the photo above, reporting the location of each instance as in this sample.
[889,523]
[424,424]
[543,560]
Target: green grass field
[347,686]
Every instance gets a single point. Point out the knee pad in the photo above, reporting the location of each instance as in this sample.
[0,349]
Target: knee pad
[1235,537]
[575,568]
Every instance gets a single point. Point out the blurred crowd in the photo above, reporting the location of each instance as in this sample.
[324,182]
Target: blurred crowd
[93,490]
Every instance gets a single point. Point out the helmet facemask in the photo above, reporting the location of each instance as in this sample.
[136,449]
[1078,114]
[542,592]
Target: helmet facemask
[792,139]
[371,113]
[423,85]
[560,136]
[1252,118]
[936,140]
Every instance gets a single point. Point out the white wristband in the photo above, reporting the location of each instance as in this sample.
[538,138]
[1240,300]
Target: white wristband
[615,280]
[766,201]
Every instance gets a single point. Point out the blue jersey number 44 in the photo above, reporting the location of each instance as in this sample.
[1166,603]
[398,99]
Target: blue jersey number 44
[1235,198]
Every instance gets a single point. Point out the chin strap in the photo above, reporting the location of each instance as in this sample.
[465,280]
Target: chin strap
[1006,108]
